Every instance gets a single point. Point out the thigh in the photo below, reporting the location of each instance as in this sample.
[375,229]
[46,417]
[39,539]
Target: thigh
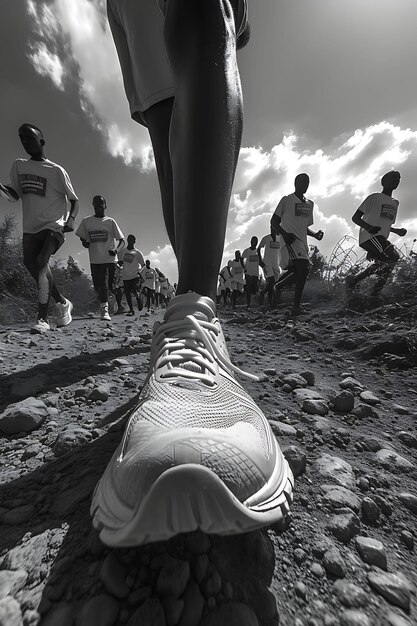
[32,246]
[51,243]
[98,274]
[111,269]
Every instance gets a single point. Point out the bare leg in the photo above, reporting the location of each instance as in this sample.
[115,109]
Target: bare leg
[301,267]
[36,259]
[205,134]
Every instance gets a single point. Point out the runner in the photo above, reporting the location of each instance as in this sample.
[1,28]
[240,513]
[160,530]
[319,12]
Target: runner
[164,289]
[251,264]
[237,274]
[269,263]
[157,294]
[104,239]
[226,277]
[197,451]
[292,219]
[133,262]
[148,275]
[49,206]
[375,217]
[118,285]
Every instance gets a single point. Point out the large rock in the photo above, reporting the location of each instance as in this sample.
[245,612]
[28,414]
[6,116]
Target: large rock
[344,401]
[150,613]
[351,383]
[344,526]
[350,595]
[297,459]
[24,416]
[372,551]
[409,500]
[295,381]
[315,407]
[28,555]
[307,394]
[394,588]
[339,497]
[392,460]
[336,470]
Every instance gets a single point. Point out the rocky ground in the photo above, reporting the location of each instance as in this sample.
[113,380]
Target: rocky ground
[339,389]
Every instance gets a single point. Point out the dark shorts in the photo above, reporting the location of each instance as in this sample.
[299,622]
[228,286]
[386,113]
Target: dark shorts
[251,283]
[103,275]
[36,241]
[131,285]
[380,249]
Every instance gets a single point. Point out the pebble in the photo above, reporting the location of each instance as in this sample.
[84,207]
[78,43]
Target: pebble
[353,617]
[99,393]
[296,458]
[371,551]
[280,428]
[150,613]
[407,439]
[350,595]
[173,608]
[370,510]
[28,555]
[339,497]
[369,397]
[344,526]
[315,407]
[193,606]
[333,563]
[409,500]
[71,437]
[407,539]
[393,587]
[113,576]
[173,578]
[102,610]
[300,590]
[343,402]
[395,619]
[295,381]
[350,383]
[365,411]
[317,570]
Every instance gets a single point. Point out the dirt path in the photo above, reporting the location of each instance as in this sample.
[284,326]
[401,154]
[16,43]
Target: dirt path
[345,555]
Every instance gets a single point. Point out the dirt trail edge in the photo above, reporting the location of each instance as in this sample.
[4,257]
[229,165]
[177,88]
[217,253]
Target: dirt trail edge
[340,392]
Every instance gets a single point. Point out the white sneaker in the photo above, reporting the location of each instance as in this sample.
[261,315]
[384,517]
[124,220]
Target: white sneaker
[40,327]
[104,311]
[64,311]
[197,451]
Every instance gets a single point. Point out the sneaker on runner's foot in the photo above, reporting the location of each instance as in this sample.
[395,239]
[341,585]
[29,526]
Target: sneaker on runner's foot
[64,311]
[104,311]
[197,451]
[41,326]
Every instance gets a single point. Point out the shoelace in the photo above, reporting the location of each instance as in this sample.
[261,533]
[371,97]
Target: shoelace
[191,341]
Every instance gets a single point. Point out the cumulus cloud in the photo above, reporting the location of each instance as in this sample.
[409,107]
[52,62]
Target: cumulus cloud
[74,34]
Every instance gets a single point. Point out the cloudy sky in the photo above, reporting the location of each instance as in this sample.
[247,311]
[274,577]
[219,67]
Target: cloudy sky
[329,89]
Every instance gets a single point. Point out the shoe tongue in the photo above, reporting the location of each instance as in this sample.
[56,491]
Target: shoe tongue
[201,307]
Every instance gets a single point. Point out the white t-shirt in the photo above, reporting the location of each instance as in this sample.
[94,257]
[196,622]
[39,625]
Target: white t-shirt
[251,261]
[271,251]
[296,217]
[148,274]
[164,286]
[227,279]
[237,271]
[45,189]
[378,210]
[103,234]
[133,261]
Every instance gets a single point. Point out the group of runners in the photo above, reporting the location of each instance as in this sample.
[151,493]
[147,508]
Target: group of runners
[197,451]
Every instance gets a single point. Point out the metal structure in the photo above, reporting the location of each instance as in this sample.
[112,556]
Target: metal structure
[344,256]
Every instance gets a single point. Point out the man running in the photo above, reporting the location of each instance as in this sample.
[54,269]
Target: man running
[104,239]
[237,275]
[251,265]
[148,275]
[133,262]
[292,219]
[269,263]
[197,451]
[49,206]
[375,217]
[118,285]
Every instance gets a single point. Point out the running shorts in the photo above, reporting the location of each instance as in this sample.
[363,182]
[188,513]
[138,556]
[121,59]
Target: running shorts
[271,272]
[380,249]
[43,235]
[137,29]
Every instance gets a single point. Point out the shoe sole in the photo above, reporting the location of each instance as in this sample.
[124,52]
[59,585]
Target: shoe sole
[71,306]
[181,500]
